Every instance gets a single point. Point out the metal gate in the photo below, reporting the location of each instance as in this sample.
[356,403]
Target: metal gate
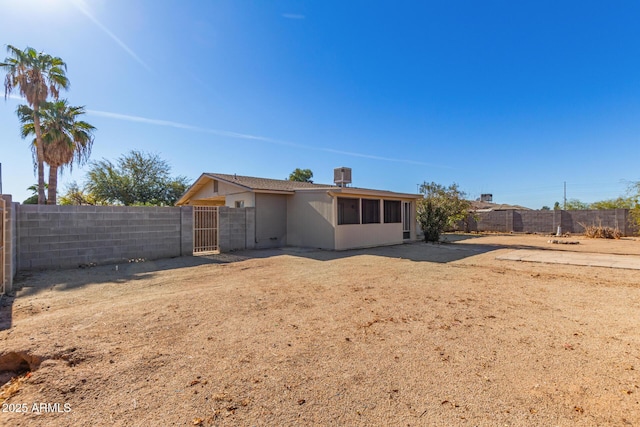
[205,229]
[3,219]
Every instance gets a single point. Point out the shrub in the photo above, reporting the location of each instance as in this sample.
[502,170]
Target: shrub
[600,232]
[441,208]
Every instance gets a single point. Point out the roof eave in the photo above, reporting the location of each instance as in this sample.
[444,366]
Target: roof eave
[227,181]
[187,194]
[350,191]
[273,191]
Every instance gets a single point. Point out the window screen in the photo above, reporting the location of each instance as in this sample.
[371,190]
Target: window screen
[348,211]
[392,211]
[370,211]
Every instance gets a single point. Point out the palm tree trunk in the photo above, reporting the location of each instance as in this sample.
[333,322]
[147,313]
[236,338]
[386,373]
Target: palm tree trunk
[53,185]
[39,154]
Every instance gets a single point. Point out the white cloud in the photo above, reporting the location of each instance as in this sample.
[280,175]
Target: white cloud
[237,135]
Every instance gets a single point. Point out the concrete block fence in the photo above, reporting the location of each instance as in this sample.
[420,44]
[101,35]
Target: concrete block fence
[521,221]
[236,228]
[40,237]
[45,236]
[68,236]
[10,257]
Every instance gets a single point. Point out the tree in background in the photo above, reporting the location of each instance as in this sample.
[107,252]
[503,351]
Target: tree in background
[36,75]
[545,208]
[619,203]
[576,205]
[634,197]
[556,206]
[137,178]
[75,195]
[441,208]
[33,199]
[301,175]
[65,138]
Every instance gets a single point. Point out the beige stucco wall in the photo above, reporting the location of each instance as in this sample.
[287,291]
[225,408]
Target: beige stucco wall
[271,220]
[310,218]
[231,194]
[367,235]
[312,222]
[248,197]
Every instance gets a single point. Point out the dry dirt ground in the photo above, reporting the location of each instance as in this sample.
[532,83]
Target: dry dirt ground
[417,334]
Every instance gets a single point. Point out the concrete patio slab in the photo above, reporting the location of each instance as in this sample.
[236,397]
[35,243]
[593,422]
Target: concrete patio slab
[573,258]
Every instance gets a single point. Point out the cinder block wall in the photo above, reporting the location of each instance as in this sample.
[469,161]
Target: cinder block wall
[9,244]
[535,221]
[614,218]
[68,236]
[490,221]
[186,230]
[236,228]
[548,221]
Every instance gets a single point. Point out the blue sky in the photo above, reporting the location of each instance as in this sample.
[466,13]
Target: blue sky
[502,97]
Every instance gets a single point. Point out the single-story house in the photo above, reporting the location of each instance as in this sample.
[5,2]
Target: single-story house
[305,214]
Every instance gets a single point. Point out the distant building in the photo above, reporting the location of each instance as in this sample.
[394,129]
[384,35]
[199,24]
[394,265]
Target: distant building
[480,206]
[486,197]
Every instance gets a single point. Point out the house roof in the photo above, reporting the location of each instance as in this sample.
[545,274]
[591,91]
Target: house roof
[254,183]
[282,186]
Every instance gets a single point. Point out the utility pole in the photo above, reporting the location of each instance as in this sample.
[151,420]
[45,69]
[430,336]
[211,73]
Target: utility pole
[564,206]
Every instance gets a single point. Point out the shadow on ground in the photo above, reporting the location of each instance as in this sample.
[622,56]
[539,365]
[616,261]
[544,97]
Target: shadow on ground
[29,283]
[451,249]
[448,250]
[6,306]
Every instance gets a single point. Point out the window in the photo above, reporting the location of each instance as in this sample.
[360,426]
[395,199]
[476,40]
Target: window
[392,211]
[370,211]
[239,203]
[348,211]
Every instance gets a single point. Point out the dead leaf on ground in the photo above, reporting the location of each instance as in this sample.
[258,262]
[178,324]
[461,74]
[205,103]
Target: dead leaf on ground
[13,386]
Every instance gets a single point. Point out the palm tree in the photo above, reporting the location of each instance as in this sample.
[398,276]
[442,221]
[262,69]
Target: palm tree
[65,138]
[33,198]
[36,75]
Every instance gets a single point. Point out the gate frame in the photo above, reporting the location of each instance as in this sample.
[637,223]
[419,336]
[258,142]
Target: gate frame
[211,243]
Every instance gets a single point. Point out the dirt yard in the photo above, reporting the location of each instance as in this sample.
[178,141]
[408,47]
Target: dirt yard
[412,335]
